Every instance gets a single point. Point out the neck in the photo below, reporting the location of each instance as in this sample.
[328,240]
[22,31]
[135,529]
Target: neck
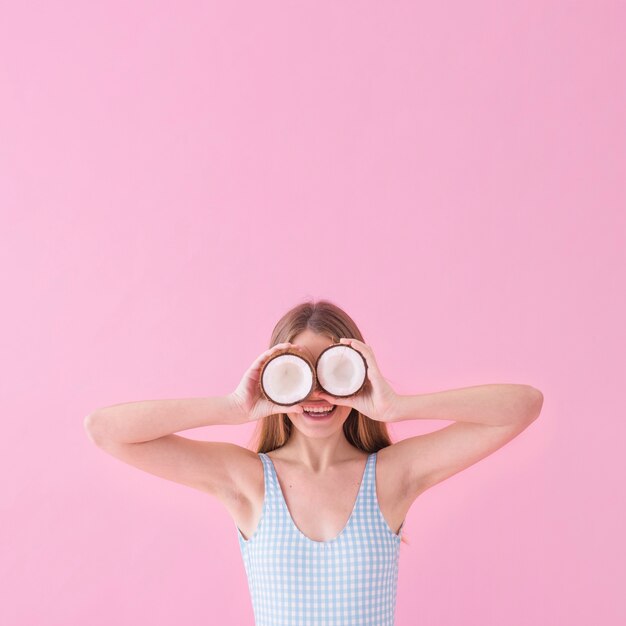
[319,453]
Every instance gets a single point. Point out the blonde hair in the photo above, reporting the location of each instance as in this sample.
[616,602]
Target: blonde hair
[326,318]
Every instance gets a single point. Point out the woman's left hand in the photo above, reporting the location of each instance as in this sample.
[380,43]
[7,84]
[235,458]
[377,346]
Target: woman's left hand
[376,399]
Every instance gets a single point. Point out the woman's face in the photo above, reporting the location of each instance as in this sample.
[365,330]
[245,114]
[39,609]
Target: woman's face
[316,426]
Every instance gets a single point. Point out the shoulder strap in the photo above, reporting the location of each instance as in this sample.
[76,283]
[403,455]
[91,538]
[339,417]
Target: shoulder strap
[368,496]
[273,493]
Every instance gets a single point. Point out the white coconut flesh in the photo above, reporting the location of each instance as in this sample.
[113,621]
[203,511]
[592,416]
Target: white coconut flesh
[341,370]
[287,379]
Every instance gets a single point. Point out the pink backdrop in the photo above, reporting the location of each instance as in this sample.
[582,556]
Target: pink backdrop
[175,176]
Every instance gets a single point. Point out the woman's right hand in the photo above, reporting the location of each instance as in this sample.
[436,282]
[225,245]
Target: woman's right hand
[248,397]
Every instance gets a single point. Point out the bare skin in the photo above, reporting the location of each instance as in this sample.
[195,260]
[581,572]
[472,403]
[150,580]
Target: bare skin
[321,505]
[320,472]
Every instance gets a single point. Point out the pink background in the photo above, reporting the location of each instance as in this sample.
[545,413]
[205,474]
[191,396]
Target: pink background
[175,176]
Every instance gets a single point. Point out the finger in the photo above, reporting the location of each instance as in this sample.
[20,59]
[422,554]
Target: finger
[265,355]
[365,350]
[355,343]
[278,346]
[335,400]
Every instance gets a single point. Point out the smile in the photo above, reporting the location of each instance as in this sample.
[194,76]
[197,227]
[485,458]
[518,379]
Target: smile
[316,413]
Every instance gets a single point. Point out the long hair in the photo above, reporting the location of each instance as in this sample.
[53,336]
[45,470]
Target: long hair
[322,317]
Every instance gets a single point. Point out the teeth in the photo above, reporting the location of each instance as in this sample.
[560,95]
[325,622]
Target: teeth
[316,410]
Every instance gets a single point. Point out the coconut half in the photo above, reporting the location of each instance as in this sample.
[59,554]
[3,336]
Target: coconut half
[341,370]
[287,377]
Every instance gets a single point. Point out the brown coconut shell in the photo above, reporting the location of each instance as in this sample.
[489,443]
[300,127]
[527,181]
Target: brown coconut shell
[295,351]
[343,345]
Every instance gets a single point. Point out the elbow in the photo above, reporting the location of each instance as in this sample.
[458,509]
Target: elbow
[534,404]
[90,424]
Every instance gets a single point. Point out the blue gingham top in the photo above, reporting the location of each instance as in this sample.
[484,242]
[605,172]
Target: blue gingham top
[348,580]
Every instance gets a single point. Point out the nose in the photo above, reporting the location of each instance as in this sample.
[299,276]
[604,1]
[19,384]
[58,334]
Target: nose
[314,396]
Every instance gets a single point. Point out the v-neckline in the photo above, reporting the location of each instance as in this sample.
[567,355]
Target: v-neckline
[347,524]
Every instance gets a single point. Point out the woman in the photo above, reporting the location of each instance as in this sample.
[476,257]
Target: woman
[320,506]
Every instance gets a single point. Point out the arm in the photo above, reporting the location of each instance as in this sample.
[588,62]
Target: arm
[134,422]
[142,434]
[486,418]
[493,405]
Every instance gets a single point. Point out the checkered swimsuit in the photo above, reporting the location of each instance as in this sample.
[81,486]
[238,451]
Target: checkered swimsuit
[348,580]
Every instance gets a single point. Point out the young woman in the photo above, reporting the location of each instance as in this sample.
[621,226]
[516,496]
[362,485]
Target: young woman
[319,508]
